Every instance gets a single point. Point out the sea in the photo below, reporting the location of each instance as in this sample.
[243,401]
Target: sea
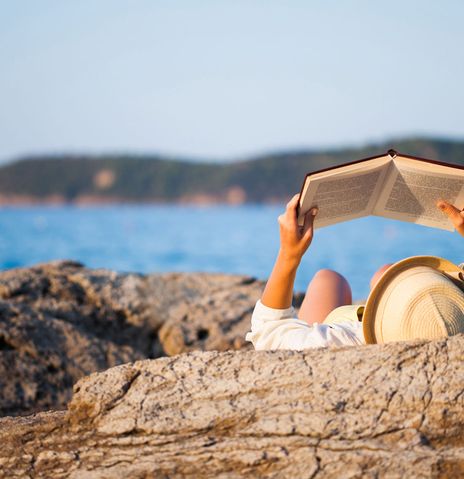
[230,239]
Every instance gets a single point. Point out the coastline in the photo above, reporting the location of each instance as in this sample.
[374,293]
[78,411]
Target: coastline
[233,198]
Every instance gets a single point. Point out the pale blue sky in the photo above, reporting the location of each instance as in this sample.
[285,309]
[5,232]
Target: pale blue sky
[226,79]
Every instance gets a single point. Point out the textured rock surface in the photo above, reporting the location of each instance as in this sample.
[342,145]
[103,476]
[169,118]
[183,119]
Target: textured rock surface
[60,321]
[374,411]
[218,318]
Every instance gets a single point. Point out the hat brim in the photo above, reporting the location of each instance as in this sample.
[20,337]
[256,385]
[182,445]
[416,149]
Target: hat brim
[368,320]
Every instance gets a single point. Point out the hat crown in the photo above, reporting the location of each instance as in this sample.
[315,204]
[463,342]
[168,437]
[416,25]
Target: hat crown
[415,299]
[420,303]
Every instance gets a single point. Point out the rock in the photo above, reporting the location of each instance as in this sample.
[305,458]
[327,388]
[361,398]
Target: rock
[60,321]
[373,411]
[217,318]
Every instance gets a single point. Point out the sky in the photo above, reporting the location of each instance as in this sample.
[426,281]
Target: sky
[223,80]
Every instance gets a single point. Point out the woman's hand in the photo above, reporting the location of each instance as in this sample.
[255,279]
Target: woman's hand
[454,214]
[294,239]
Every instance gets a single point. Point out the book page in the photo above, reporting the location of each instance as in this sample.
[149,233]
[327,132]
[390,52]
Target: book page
[342,197]
[410,194]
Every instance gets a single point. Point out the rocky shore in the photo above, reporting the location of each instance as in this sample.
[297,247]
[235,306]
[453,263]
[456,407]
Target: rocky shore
[149,376]
[60,321]
[393,411]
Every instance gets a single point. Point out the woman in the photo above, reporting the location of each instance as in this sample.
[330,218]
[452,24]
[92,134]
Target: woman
[411,289]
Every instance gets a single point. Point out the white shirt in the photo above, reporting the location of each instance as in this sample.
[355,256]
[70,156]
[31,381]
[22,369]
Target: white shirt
[281,329]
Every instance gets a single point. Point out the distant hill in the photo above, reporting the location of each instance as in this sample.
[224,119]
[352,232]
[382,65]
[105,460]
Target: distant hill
[125,178]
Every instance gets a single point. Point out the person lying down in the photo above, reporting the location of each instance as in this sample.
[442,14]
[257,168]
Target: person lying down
[421,297]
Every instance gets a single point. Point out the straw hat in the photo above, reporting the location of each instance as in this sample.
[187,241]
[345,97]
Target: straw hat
[421,297]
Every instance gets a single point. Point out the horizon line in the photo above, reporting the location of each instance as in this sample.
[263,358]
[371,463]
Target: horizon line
[257,154]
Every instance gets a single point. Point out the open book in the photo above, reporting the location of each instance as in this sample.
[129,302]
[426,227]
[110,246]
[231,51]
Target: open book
[392,185]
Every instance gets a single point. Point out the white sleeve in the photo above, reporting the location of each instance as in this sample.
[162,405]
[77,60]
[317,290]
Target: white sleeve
[280,329]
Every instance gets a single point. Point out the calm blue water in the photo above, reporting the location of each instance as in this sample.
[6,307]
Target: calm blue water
[241,239]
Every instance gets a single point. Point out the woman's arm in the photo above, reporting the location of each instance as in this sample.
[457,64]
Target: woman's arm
[294,241]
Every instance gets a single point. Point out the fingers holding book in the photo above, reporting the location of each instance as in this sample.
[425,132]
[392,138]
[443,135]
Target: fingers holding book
[455,215]
[294,239]
[292,205]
